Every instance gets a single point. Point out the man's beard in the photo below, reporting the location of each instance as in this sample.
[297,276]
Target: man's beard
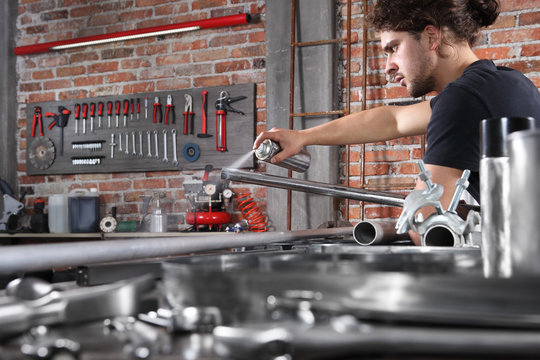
[424,82]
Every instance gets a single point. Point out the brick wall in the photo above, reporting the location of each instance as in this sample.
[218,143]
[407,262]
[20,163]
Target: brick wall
[514,41]
[210,58]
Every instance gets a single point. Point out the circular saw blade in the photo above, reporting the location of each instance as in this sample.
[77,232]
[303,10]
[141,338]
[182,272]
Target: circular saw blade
[42,153]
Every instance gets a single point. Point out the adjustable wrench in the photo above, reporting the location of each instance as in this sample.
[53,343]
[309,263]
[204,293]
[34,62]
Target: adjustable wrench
[156,155]
[165,158]
[175,157]
[149,141]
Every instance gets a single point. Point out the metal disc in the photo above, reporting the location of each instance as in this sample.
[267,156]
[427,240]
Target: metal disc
[191,152]
[42,153]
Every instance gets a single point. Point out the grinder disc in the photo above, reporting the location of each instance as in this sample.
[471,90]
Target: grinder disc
[42,153]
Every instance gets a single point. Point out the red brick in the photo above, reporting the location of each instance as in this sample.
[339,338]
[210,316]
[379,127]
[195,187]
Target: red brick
[135,63]
[56,84]
[149,184]
[143,3]
[72,94]
[156,73]
[83,57]
[387,155]
[133,196]
[102,67]
[376,169]
[513,5]
[494,53]
[114,186]
[49,96]
[521,35]
[70,71]
[88,80]
[218,80]
[248,77]
[42,74]
[30,87]
[530,50]
[228,40]
[259,36]
[172,59]
[383,212]
[249,51]
[210,55]
[173,84]
[138,88]
[116,53]
[135,15]
[120,77]
[205,4]
[85,11]
[152,49]
[105,19]
[230,66]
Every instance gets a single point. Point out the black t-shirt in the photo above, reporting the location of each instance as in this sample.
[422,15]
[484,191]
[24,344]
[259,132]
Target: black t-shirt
[483,91]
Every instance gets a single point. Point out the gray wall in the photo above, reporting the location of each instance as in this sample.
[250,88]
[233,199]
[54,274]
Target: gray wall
[316,90]
[8,93]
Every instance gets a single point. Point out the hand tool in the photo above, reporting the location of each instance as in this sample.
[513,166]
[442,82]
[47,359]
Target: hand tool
[191,152]
[120,142]
[156,155]
[117,112]
[146,108]
[222,106]
[37,118]
[84,117]
[170,108]
[126,109]
[165,158]
[92,114]
[60,120]
[134,150]
[138,108]
[140,144]
[127,144]
[157,109]
[149,141]
[175,156]
[131,109]
[77,117]
[42,153]
[112,144]
[188,115]
[204,133]
[109,113]
[100,113]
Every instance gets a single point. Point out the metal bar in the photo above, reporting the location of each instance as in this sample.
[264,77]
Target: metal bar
[314,187]
[364,98]
[291,101]
[19,258]
[320,113]
[348,103]
[319,42]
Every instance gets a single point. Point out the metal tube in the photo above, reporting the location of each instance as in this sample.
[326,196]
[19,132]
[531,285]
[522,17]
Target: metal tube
[46,256]
[376,232]
[440,235]
[313,187]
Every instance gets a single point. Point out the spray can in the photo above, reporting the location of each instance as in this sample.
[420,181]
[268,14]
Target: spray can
[299,162]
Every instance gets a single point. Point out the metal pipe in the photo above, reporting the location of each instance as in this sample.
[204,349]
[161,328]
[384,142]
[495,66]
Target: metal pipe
[440,235]
[19,258]
[313,187]
[377,232]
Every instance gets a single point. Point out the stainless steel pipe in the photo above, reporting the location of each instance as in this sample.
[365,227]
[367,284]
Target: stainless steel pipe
[376,232]
[313,187]
[47,256]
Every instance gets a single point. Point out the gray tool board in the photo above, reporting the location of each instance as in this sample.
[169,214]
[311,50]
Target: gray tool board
[90,152]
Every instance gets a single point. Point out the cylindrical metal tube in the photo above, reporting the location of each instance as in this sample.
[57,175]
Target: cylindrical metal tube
[524,147]
[495,192]
[440,235]
[313,187]
[47,256]
[299,162]
[376,232]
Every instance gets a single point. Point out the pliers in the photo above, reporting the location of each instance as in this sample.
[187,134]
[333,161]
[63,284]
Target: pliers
[188,115]
[37,117]
[170,107]
[157,109]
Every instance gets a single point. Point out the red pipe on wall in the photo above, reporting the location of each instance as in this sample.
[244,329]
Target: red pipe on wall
[138,33]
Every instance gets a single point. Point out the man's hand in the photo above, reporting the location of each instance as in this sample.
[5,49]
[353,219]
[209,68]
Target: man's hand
[290,142]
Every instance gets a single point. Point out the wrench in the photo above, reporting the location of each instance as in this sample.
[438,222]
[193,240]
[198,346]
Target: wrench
[112,145]
[127,144]
[140,144]
[165,158]
[149,141]
[134,151]
[156,140]
[120,140]
[175,157]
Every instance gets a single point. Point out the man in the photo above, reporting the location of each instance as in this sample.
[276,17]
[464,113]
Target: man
[428,49]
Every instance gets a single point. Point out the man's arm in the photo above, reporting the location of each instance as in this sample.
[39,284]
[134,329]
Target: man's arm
[378,124]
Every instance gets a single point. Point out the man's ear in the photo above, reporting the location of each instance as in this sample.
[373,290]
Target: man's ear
[433,35]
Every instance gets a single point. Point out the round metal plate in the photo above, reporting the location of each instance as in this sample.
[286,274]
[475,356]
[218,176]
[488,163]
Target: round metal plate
[42,153]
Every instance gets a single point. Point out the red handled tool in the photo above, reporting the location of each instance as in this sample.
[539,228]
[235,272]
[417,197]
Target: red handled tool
[157,111]
[84,117]
[117,111]
[138,108]
[60,120]
[109,113]
[204,133]
[100,113]
[92,114]
[170,109]
[77,117]
[126,110]
[188,115]
[222,106]
[37,120]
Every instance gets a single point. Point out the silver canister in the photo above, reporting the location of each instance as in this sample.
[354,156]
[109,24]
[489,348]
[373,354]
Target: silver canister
[299,162]
[495,192]
[524,149]
[158,221]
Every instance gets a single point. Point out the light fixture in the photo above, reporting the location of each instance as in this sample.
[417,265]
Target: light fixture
[135,34]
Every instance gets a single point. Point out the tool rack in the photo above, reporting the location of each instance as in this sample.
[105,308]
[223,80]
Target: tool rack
[90,152]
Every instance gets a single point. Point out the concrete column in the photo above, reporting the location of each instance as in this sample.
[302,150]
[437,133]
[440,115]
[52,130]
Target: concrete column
[315,91]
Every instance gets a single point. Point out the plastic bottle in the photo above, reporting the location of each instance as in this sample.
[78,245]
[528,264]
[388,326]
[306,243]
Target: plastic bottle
[84,211]
[58,214]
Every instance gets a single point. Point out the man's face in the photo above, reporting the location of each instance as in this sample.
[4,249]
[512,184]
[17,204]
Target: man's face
[409,62]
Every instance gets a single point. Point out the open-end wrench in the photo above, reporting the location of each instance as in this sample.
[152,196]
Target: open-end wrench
[120,141]
[165,158]
[127,144]
[140,144]
[134,151]
[175,157]
[149,141]
[112,145]
[156,140]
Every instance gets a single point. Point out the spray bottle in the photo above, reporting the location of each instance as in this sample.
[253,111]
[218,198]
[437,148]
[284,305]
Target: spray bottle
[299,162]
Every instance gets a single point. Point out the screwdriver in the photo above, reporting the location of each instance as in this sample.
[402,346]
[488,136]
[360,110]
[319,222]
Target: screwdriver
[126,109]
[117,112]
[100,113]
[138,108]
[84,116]
[77,117]
[92,114]
[131,110]
[109,113]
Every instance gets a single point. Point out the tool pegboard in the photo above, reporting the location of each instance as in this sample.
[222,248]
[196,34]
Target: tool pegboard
[136,142]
